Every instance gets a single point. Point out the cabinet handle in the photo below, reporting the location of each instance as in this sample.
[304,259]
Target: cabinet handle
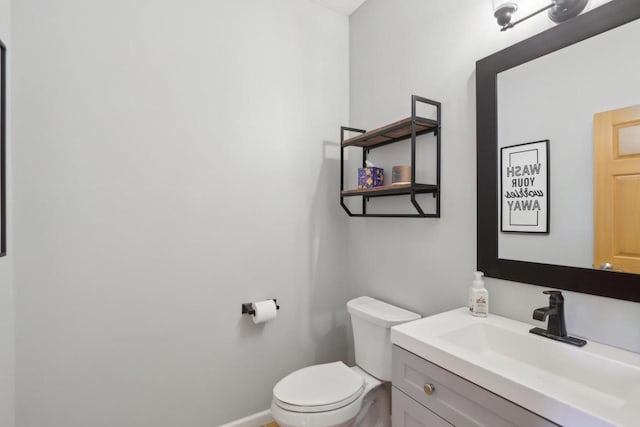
[429,389]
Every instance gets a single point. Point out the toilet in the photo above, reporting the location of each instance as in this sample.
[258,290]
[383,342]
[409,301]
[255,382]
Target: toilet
[335,395]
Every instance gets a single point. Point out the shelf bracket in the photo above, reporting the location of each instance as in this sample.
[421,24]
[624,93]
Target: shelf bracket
[415,203]
[346,209]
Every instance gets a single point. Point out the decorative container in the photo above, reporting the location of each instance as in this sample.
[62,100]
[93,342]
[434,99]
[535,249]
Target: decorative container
[401,175]
[370,177]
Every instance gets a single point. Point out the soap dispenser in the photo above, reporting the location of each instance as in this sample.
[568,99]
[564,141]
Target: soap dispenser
[478,296]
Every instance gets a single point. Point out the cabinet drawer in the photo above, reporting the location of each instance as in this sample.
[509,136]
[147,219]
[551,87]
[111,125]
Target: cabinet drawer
[407,412]
[455,399]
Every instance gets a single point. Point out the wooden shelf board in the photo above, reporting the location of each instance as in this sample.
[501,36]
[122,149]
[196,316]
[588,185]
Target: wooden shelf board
[393,132]
[391,190]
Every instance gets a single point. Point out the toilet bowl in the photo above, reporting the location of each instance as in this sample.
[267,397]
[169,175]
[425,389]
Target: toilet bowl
[335,395]
[338,398]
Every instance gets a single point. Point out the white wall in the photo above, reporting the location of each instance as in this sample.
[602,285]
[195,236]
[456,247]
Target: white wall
[6,264]
[429,48]
[173,160]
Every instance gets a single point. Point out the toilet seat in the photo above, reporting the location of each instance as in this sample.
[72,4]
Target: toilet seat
[319,388]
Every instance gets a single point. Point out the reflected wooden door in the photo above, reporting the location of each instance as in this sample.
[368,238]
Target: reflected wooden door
[616,152]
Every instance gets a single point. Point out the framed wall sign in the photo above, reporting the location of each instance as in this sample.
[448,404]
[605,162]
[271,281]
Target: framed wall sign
[3,149]
[524,187]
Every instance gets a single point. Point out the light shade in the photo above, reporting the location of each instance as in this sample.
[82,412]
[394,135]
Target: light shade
[497,4]
[504,10]
[566,9]
[558,10]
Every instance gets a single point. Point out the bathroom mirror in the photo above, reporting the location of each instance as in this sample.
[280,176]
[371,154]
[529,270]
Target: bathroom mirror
[549,54]
[534,105]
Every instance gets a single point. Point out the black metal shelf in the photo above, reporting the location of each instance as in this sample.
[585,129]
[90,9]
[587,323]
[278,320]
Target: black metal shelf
[397,131]
[406,129]
[392,190]
[369,215]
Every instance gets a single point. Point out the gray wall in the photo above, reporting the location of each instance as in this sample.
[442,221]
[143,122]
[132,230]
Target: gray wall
[6,274]
[429,48]
[170,165]
[174,160]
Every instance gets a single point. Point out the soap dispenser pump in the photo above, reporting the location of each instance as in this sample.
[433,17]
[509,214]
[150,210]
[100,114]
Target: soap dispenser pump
[478,296]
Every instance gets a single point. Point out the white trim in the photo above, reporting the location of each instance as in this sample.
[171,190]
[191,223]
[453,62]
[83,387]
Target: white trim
[255,420]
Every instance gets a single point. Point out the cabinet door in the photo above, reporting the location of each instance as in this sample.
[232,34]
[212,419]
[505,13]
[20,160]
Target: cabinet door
[406,412]
[455,399]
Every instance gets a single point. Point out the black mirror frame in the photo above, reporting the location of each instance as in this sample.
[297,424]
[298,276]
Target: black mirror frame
[623,286]
[3,149]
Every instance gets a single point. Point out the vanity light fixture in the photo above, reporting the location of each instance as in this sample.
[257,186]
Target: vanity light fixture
[558,11]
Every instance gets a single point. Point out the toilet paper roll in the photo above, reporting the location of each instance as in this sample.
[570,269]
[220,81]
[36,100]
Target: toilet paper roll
[264,311]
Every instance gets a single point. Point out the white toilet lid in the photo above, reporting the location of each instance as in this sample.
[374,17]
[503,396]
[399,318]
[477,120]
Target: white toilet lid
[319,388]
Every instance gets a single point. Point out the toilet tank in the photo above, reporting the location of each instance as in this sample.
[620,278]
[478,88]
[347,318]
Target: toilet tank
[372,321]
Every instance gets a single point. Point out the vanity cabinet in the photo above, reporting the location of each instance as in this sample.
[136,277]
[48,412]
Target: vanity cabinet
[409,413]
[425,394]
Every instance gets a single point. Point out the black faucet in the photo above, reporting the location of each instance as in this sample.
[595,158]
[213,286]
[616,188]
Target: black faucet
[555,313]
[556,327]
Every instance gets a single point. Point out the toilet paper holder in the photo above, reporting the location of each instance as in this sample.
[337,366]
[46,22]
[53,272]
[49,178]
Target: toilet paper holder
[248,309]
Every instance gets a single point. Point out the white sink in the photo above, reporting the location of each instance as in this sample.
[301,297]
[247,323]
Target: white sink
[594,385]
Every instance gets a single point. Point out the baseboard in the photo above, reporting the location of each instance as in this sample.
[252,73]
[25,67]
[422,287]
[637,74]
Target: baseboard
[255,420]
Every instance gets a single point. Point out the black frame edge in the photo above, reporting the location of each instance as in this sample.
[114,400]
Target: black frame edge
[3,149]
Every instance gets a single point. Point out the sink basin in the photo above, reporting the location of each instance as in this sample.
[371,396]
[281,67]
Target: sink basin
[595,385]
